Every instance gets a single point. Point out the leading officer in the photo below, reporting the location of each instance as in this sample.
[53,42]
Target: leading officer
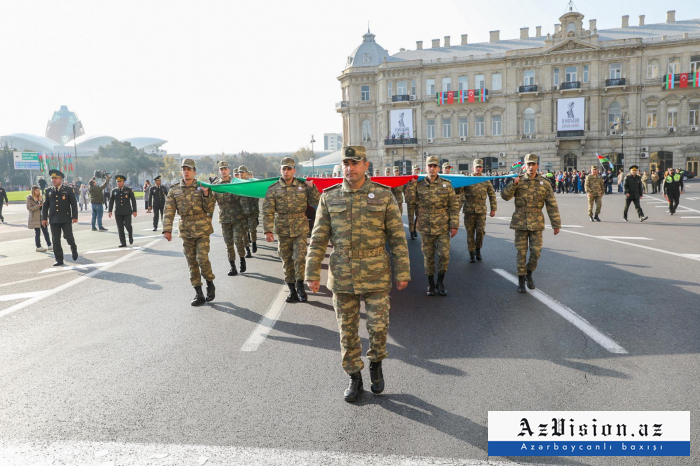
[60,211]
[122,197]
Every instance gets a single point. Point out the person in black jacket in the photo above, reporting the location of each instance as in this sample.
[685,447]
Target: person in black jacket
[3,200]
[633,192]
[673,188]
[60,210]
[123,199]
[158,195]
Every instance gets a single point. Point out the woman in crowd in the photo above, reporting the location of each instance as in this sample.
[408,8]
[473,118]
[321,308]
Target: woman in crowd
[34,204]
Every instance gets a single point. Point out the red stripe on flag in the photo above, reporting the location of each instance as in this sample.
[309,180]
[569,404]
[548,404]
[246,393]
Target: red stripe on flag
[391,181]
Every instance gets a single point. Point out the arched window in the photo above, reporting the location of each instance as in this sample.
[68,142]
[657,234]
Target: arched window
[529,121]
[571,27]
[366,131]
[614,111]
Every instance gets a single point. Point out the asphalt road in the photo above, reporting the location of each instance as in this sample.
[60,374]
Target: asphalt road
[108,363]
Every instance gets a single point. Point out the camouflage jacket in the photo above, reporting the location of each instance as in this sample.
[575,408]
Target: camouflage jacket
[474,200]
[594,185]
[437,205]
[398,194]
[230,206]
[285,206]
[358,224]
[193,207]
[531,195]
[251,205]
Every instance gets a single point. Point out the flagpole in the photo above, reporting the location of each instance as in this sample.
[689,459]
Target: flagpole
[75,150]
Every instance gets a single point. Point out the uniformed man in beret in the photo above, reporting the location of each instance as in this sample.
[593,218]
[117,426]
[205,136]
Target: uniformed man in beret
[232,220]
[633,193]
[474,206]
[251,209]
[193,203]
[123,201]
[595,190]
[359,217]
[60,210]
[157,204]
[412,217]
[532,192]
[284,213]
[438,221]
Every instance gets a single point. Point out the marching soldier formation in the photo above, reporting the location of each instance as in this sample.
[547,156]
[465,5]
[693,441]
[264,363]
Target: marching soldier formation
[474,207]
[60,211]
[123,201]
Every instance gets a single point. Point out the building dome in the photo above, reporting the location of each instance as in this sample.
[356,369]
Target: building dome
[369,53]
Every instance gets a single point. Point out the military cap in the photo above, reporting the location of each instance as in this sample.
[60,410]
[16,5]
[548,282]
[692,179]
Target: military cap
[594,166]
[56,174]
[387,171]
[189,163]
[285,162]
[156,178]
[530,158]
[223,164]
[416,167]
[376,171]
[446,165]
[235,171]
[479,162]
[397,169]
[120,178]
[432,160]
[358,153]
[634,167]
[242,169]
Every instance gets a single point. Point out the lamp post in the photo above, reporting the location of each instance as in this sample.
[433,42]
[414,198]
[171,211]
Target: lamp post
[75,149]
[621,122]
[313,166]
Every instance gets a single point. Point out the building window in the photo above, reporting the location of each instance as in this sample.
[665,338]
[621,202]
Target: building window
[479,81]
[389,92]
[364,95]
[446,84]
[556,76]
[674,65]
[614,111]
[672,117]
[570,74]
[479,127]
[496,125]
[366,131]
[496,82]
[529,121]
[430,87]
[694,115]
[401,88]
[446,127]
[695,64]
[431,129]
[615,71]
[413,87]
[529,78]
[651,119]
[571,27]
[463,83]
[585,73]
[652,69]
[463,127]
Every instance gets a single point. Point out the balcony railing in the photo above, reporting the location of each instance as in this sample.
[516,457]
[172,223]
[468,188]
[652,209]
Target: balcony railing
[528,88]
[400,141]
[342,104]
[615,82]
[403,98]
[571,85]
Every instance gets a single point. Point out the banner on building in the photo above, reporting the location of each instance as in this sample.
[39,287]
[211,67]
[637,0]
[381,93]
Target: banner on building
[401,124]
[571,117]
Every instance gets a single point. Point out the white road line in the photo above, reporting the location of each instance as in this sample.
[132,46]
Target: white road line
[690,217]
[626,237]
[680,206]
[71,283]
[576,320]
[145,237]
[13,297]
[99,251]
[74,267]
[266,323]
[32,279]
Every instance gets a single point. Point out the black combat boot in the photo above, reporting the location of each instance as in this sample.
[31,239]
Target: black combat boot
[431,286]
[355,387]
[248,255]
[441,285]
[472,257]
[530,281]
[242,264]
[292,296]
[478,254]
[255,246]
[597,219]
[377,377]
[210,291]
[591,217]
[199,298]
[232,271]
[521,284]
[301,292]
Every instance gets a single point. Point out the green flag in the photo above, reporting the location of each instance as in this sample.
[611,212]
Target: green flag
[246,188]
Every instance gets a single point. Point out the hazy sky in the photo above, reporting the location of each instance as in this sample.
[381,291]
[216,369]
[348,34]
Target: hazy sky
[212,76]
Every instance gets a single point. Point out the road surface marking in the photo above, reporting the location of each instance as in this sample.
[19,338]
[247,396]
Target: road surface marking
[35,278]
[626,237]
[576,320]
[690,217]
[112,250]
[681,206]
[71,283]
[13,297]
[74,267]
[262,330]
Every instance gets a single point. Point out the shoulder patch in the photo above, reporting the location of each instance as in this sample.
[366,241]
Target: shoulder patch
[335,186]
[374,183]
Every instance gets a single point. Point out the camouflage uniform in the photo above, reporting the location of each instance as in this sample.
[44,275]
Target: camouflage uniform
[474,205]
[232,220]
[531,195]
[595,190]
[358,224]
[195,226]
[411,208]
[398,192]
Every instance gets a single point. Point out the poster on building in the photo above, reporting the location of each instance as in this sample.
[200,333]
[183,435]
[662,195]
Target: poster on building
[26,161]
[571,117]
[401,124]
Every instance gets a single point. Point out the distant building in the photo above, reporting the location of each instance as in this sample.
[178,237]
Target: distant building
[60,126]
[332,141]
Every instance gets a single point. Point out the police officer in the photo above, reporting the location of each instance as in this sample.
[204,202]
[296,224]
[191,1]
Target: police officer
[232,220]
[158,194]
[123,199]
[474,206]
[595,190]
[284,212]
[633,193]
[193,203]
[673,188]
[412,217]
[438,221]
[60,210]
[359,217]
[251,208]
[3,199]
[531,192]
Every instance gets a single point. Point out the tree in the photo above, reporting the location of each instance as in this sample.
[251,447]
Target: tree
[119,158]
[169,168]
[6,162]
[303,154]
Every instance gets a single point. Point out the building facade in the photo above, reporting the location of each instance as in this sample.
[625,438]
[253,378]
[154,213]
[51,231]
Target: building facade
[635,90]
[332,141]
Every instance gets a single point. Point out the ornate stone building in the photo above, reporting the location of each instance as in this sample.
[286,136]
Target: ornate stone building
[619,76]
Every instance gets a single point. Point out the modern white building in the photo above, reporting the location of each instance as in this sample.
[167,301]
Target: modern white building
[332,141]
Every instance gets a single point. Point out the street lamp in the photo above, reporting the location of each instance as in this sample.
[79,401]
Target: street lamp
[313,166]
[75,149]
[621,122]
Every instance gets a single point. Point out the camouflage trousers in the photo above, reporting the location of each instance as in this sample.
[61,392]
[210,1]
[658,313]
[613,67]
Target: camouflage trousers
[475,224]
[347,312]
[400,204]
[598,204]
[233,234]
[412,217]
[251,226]
[292,251]
[524,240]
[435,244]
[197,255]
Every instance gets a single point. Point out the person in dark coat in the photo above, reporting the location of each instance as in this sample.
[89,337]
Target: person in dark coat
[157,202]
[60,210]
[633,192]
[123,201]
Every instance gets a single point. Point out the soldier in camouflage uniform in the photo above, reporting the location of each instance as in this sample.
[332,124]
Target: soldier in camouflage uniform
[438,221]
[232,220]
[284,212]
[474,206]
[398,191]
[359,217]
[531,192]
[412,217]
[193,204]
[595,189]
[251,208]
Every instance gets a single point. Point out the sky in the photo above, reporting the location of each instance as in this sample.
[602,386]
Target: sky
[213,76]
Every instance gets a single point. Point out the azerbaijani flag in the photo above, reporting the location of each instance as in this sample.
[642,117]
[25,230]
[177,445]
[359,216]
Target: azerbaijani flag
[696,79]
[669,81]
[517,166]
[482,95]
[441,98]
[460,96]
[603,160]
